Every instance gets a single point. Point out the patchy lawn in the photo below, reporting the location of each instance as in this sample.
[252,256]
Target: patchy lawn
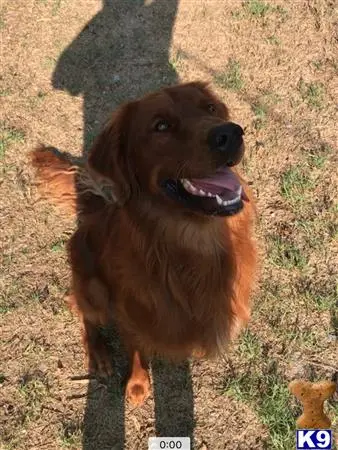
[65,66]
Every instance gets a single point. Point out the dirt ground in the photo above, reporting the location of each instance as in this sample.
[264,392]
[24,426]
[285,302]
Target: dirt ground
[67,64]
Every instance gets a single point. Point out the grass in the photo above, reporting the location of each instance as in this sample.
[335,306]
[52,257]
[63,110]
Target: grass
[34,389]
[5,92]
[283,314]
[260,110]
[273,39]
[260,382]
[56,7]
[322,302]
[282,308]
[37,99]
[70,434]
[9,135]
[231,78]
[270,98]
[249,345]
[237,14]
[300,186]
[41,95]
[318,64]
[301,338]
[316,229]
[312,93]
[58,246]
[266,392]
[316,160]
[257,8]
[261,106]
[49,62]
[285,254]
[318,296]
[2,22]
[283,12]
[333,412]
[2,378]
[334,321]
[16,294]
[317,156]
[294,317]
[296,184]
[6,308]
[176,60]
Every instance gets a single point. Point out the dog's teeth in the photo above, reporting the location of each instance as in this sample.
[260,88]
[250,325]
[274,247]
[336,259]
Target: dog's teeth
[239,190]
[209,194]
[188,186]
[231,202]
[202,192]
[219,200]
[192,187]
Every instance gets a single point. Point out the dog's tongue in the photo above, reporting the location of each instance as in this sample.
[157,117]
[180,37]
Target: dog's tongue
[222,179]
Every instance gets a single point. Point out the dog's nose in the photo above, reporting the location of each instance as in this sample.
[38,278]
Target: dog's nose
[227,139]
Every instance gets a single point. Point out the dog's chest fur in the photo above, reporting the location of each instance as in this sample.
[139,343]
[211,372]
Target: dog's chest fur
[173,285]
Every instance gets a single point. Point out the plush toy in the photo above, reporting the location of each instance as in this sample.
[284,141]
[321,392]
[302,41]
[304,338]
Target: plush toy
[312,396]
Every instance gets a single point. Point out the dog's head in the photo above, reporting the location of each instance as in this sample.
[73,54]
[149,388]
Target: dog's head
[176,145]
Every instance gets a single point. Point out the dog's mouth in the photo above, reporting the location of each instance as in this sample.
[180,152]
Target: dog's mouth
[218,194]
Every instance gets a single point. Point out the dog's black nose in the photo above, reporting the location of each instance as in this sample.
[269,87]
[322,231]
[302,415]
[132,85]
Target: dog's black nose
[227,139]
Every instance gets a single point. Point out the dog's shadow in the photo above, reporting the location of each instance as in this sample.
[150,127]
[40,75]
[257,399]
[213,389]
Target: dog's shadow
[104,420]
[120,54]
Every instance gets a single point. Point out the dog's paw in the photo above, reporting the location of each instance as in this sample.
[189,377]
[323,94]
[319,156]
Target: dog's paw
[198,353]
[138,390]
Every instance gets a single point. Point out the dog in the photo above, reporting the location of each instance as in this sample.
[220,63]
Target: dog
[164,245]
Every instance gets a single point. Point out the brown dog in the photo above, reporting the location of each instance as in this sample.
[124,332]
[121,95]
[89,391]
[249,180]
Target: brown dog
[164,241]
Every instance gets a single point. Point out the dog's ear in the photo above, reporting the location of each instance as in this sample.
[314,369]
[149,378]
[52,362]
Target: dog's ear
[205,88]
[201,85]
[108,156]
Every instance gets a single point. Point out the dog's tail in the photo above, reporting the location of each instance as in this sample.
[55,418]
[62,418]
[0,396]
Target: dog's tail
[69,183]
[56,177]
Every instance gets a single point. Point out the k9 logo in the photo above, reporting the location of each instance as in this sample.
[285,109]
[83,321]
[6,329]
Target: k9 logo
[314,439]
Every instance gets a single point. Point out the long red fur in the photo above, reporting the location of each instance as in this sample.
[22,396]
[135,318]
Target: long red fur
[174,283]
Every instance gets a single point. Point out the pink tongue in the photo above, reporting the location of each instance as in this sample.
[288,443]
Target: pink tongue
[223,178]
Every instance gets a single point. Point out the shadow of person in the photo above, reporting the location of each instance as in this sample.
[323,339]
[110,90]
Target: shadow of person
[122,53]
[173,395]
[103,426]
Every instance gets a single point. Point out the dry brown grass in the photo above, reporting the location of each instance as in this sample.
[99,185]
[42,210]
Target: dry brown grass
[275,65]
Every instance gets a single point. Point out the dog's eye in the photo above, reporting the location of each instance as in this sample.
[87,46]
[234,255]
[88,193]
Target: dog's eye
[162,125]
[211,107]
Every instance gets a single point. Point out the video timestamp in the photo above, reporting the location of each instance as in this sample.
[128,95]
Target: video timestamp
[167,443]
